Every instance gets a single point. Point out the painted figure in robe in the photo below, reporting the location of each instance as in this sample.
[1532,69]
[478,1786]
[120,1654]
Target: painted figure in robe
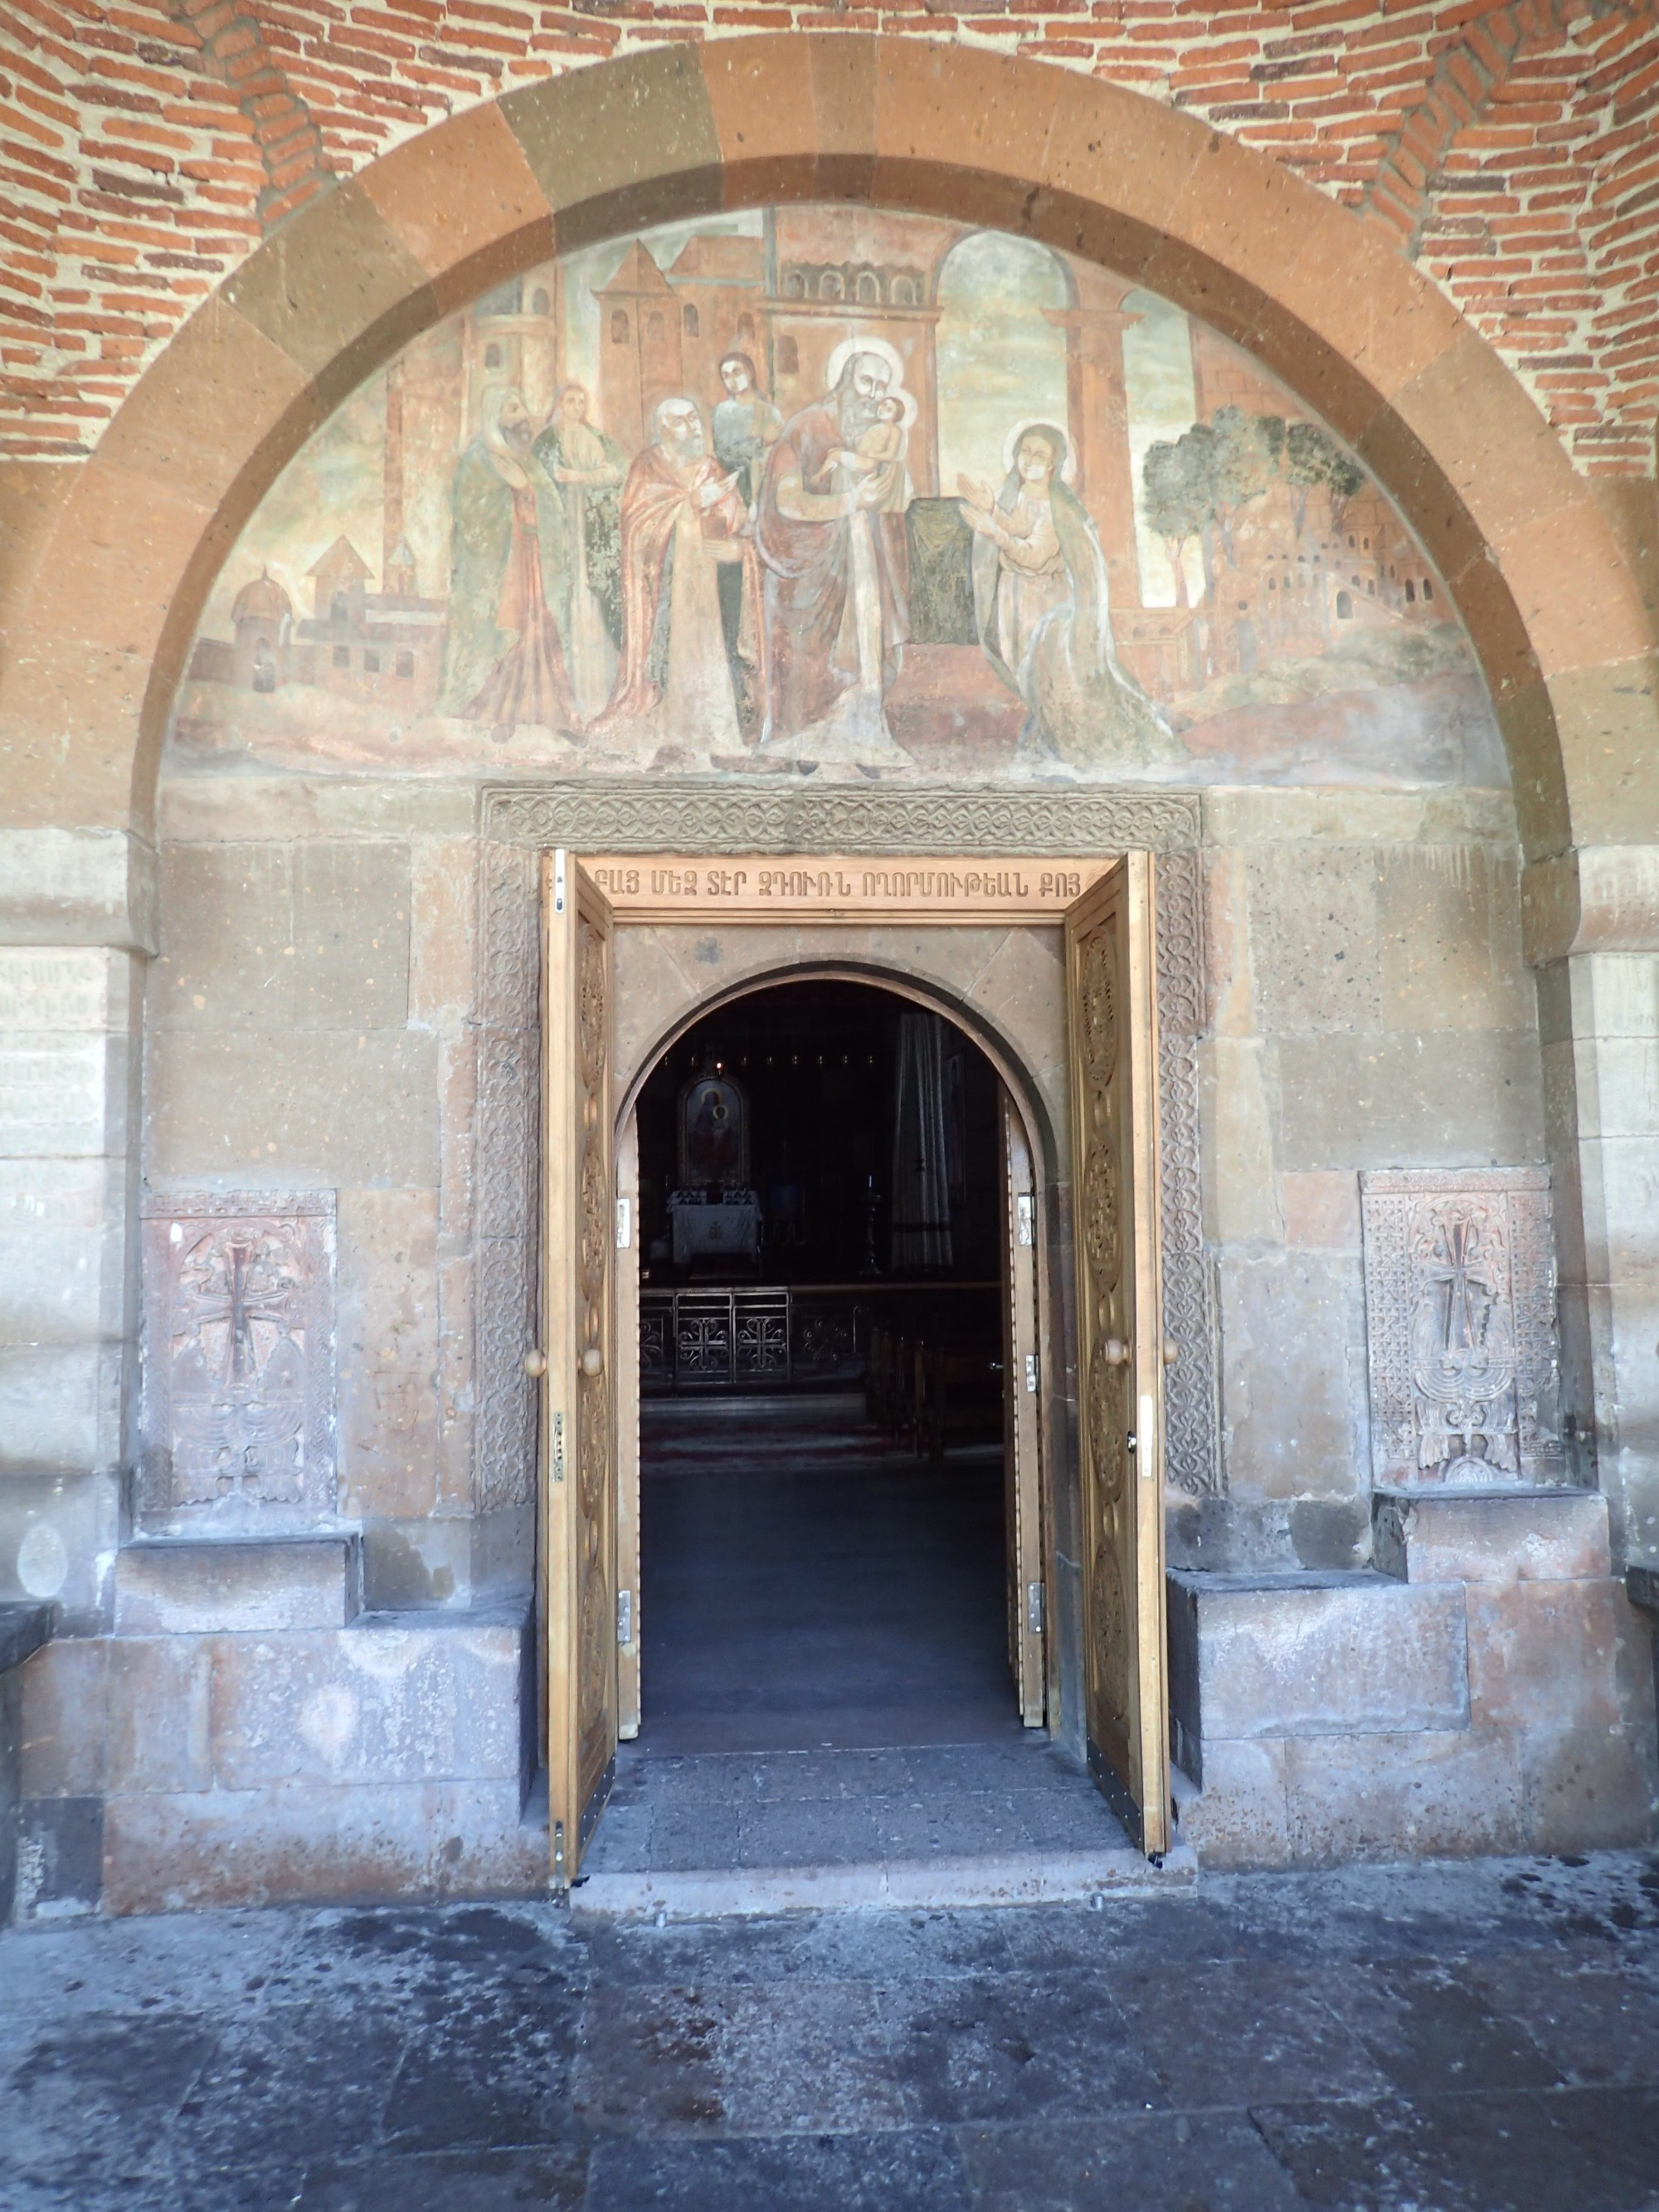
[504,661]
[588,468]
[837,574]
[1041,609]
[683,519]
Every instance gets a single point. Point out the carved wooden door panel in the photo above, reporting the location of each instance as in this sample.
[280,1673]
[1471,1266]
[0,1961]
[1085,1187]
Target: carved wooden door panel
[578,1426]
[1022,1426]
[1112,1025]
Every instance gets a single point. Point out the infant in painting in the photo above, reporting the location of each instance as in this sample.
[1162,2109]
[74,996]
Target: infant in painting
[875,467]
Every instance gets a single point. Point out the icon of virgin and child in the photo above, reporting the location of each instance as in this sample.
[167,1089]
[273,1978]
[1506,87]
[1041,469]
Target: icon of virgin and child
[739,591]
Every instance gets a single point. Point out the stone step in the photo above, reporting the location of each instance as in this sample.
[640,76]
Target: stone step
[882,1885]
[1492,1536]
[201,1586]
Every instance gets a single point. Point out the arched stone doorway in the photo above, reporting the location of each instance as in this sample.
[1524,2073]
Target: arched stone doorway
[108,607]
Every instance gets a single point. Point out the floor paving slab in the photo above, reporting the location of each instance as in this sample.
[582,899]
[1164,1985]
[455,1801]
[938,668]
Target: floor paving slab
[1481,2036]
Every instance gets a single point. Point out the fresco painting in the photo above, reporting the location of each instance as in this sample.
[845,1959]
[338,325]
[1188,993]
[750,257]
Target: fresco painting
[823,491]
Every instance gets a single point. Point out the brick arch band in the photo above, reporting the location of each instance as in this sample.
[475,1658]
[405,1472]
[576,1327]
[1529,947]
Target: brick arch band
[101,617]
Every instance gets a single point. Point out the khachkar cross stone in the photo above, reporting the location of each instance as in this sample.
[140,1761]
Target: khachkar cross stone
[1461,1327]
[238,1356]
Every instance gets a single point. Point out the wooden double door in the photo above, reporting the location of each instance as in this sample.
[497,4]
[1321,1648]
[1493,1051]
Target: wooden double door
[587,1603]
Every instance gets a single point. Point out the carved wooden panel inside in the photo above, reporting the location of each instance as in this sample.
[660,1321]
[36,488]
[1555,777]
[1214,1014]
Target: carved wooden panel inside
[239,1381]
[1461,1326]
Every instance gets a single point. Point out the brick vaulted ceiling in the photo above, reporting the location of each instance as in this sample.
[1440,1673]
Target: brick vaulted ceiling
[1511,150]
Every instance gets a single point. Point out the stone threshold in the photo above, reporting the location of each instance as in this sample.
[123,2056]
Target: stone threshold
[939,1884]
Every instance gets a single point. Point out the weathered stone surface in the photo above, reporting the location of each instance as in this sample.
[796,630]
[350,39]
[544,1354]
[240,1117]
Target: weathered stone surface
[388,1352]
[176,1587]
[1428,1794]
[1242,1816]
[388,1700]
[441,1838]
[1314,951]
[64,1743]
[1450,918]
[334,1107]
[1387,1100]
[161,1721]
[1293,1325]
[1317,1655]
[1548,1535]
[1542,1654]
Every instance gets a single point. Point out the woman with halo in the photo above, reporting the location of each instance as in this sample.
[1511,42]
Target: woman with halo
[1042,610]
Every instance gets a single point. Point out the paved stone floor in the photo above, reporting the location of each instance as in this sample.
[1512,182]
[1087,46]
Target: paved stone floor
[1475,2038]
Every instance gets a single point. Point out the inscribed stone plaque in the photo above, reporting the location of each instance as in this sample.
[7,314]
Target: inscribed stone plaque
[239,1354]
[1461,1326]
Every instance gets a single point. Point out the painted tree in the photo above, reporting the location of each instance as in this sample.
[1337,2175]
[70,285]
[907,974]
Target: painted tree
[1178,504]
[1312,461]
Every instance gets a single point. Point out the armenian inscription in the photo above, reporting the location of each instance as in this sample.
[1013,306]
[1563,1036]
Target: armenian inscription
[762,888]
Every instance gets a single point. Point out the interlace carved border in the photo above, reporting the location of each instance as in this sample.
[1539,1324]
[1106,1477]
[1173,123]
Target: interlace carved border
[518,822]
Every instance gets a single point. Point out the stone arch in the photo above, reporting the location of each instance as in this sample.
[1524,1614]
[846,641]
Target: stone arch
[104,600]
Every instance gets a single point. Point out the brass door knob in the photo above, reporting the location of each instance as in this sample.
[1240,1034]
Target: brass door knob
[1171,1352]
[1114,1352]
[535,1364]
[592,1360]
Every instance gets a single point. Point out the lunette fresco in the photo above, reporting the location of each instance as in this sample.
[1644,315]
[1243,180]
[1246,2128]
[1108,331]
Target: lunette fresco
[830,492]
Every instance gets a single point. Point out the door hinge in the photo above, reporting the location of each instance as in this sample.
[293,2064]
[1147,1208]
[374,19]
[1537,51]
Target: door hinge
[1031,1371]
[558,1447]
[1033,1608]
[1025,1216]
[624,1223]
[558,881]
[625,1616]
[559,1880]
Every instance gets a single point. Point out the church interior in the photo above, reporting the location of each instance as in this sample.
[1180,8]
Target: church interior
[823,1551]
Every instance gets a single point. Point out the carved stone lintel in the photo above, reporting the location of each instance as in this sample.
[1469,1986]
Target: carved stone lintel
[617,816]
[238,1385]
[1461,1326]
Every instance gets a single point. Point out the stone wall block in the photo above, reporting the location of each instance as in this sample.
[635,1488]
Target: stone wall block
[1321,1209]
[457,1391]
[416,1839]
[1292,1385]
[351,936]
[369,1705]
[281,1107]
[1542,1654]
[1324,1656]
[1314,951]
[1553,1535]
[387,1332]
[227,956]
[1588,1787]
[65,1719]
[1242,1818]
[60,1411]
[219,1585]
[1450,923]
[1237,1075]
[443,917]
[1433,1794]
[1381,1101]
[160,1690]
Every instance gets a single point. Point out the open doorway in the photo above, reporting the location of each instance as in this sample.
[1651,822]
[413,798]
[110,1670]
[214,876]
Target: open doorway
[824,1502]
[1082,1466]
